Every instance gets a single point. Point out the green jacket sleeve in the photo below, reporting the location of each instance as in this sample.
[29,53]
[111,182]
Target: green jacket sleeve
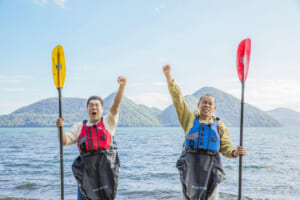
[226,147]
[185,116]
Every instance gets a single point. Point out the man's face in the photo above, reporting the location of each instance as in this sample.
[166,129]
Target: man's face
[94,110]
[207,106]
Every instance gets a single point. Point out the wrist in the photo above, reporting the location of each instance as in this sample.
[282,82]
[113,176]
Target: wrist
[169,78]
[233,154]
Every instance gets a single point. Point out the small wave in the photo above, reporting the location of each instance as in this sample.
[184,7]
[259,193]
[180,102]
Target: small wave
[26,186]
[256,167]
[224,195]
[150,175]
[166,194]
[149,195]
[248,167]
[231,167]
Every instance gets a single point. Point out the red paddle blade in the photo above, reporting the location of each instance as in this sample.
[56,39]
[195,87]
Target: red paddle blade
[243,58]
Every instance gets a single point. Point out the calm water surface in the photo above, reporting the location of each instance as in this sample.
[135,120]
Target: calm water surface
[29,166]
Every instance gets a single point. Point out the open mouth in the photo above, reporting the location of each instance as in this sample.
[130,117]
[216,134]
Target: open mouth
[94,113]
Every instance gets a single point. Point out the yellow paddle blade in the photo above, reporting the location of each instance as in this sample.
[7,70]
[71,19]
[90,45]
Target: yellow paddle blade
[58,66]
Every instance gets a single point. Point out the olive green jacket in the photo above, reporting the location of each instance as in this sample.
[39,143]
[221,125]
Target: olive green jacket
[187,118]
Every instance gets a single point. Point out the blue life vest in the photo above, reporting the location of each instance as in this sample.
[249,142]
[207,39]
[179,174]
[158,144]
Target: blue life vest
[203,137]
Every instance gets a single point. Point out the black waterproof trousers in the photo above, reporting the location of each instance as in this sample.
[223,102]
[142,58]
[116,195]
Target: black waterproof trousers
[97,174]
[199,174]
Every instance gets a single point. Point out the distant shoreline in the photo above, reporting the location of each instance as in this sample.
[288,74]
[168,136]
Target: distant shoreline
[141,127]
[14,198]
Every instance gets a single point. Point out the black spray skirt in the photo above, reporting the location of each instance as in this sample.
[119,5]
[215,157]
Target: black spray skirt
[199,174]
[97,174]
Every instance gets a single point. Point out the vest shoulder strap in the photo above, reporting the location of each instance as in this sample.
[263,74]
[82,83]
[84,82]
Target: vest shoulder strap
[103,123]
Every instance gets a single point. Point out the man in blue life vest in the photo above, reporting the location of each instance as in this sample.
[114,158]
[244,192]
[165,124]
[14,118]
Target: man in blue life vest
[200,165]
[96,170]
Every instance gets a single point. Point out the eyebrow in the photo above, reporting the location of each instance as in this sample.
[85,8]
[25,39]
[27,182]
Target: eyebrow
[94,104]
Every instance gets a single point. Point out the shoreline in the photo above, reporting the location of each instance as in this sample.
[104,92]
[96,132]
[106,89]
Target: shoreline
[14,198]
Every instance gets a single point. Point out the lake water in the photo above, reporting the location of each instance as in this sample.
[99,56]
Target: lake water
[29,166]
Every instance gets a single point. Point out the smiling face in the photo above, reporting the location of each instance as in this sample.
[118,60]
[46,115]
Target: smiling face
[207,106]
[94,109]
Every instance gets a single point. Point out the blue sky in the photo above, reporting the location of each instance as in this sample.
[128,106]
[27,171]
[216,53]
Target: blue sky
[134,38]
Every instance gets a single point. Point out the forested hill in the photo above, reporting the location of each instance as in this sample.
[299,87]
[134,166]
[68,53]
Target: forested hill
[286,116]
[45,112]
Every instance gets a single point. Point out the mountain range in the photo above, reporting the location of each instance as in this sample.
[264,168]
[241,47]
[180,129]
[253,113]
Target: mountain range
[45,112]
[286,116]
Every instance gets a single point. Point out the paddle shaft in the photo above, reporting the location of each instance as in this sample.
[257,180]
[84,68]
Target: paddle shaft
[60,136]
[241,141]
[61,147]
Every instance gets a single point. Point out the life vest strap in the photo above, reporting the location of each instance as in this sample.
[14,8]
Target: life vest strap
[100,151]
[202,151]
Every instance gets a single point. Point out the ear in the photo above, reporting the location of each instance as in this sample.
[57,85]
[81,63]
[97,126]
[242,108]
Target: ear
[215,108]
[198,105]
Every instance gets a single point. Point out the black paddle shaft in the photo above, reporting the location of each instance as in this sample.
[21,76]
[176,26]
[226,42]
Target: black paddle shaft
[241,141]
[61,147]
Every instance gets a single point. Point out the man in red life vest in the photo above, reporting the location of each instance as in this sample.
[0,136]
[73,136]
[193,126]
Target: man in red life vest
[96,170]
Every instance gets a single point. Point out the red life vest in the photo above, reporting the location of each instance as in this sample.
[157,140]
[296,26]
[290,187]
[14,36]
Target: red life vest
[93,138]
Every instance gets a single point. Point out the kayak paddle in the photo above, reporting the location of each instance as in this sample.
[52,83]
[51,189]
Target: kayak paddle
[242,64]
[59,73]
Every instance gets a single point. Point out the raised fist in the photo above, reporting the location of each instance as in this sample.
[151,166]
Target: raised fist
[122,80]
[167,69]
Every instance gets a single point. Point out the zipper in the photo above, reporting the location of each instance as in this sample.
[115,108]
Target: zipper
[199,137]
[208,135]
[91,138]
[201,143]
[97,137]
[88,141]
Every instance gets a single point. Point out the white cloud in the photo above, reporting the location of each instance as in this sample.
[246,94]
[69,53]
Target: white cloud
[270,94]
[159,83]
[13,89]
[86,67]
[152,99]
[40,2]
[76,78]
[140,84]
[163,59]
[13,79]
[60,3]
[137,84]
[7,107]
[8,80]
[162,6]
[235,79]
[35,90]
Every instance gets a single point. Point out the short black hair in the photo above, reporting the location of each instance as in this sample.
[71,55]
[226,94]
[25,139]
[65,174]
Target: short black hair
[209,96]
[96,98]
